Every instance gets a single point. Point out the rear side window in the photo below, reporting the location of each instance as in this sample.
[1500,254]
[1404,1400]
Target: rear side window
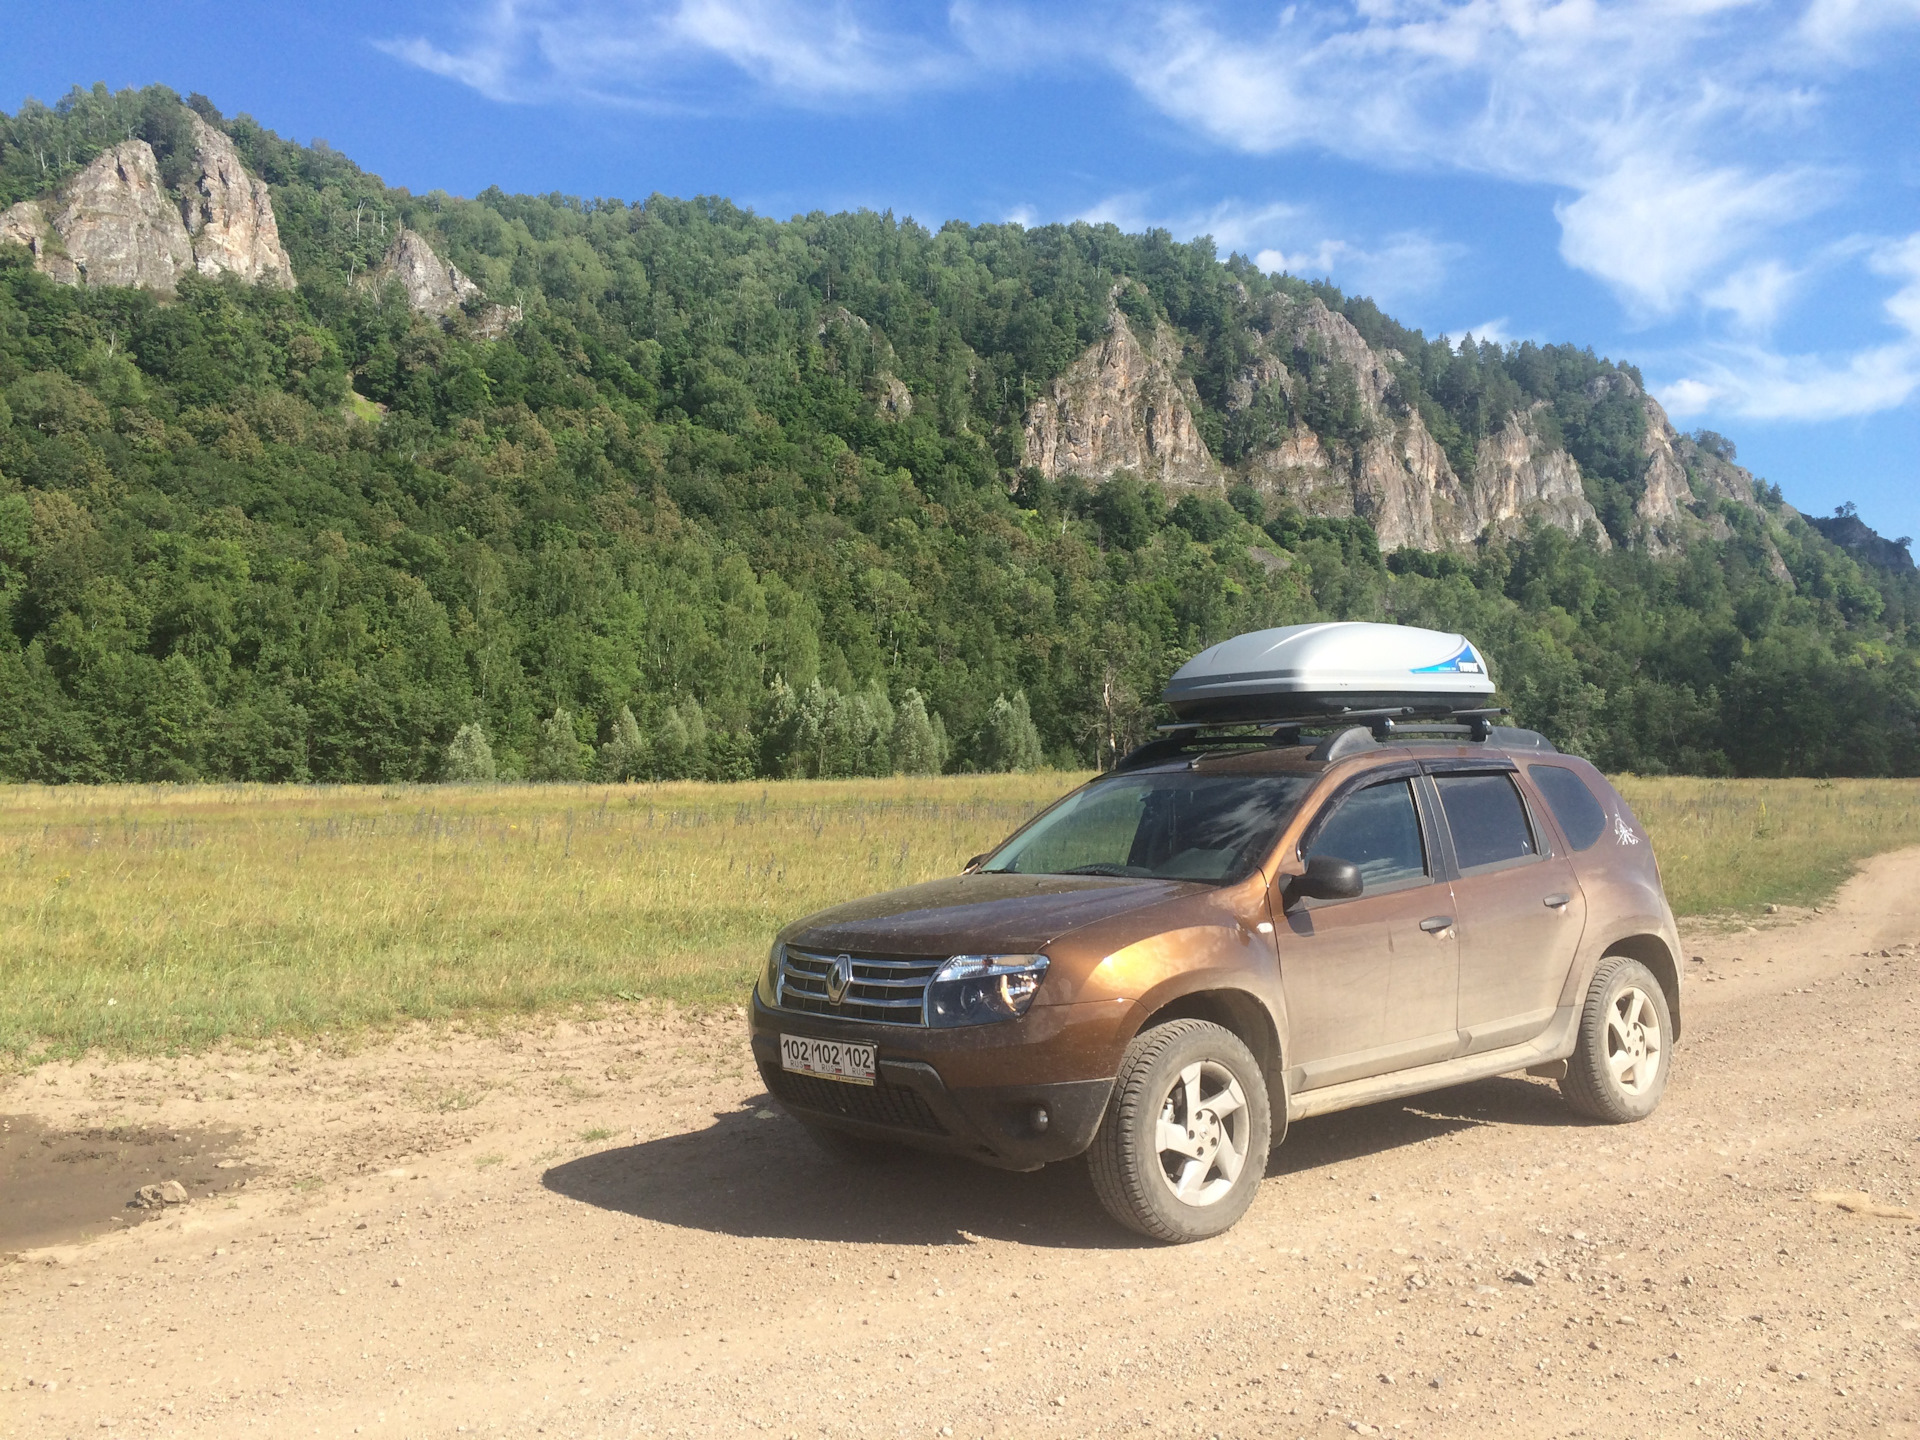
[1580,814]
[1379,831]
[1488,822]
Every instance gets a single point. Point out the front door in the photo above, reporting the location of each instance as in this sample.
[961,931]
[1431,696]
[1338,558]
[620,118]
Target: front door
[1521,912]
[1371,983]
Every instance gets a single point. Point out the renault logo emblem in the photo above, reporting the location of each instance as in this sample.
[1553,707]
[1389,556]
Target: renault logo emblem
[839,977]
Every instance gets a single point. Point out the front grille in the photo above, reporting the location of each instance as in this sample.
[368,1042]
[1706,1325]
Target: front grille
[877,1104]
[885,990]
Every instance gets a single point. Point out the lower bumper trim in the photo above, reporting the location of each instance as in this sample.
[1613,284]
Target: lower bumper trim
[910,1105]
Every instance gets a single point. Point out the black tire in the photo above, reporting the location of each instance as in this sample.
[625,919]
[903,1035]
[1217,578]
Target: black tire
[851,1149]
[1619,1067]
[1130,1172]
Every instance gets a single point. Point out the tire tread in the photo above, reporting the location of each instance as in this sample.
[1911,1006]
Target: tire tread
[1587,1087]
[1120,1180]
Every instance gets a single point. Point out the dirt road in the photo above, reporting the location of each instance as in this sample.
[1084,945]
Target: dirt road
[601,1229]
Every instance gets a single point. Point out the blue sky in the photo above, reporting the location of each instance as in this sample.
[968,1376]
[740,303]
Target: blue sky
[1726,193]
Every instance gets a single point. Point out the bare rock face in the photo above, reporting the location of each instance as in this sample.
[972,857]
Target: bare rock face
[433,287]
[1120,406]
[229,215]
[119,223]
[27,224]
[1518,476]
[1398,479]
[896,400]
[116,223]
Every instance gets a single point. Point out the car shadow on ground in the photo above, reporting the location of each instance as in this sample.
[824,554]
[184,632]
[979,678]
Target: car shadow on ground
[754,1173]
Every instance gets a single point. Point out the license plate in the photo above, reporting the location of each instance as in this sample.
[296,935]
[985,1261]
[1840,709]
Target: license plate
[829,1059]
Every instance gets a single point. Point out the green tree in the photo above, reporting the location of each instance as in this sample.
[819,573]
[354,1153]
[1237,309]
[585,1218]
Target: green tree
[1009,740]
[469,757]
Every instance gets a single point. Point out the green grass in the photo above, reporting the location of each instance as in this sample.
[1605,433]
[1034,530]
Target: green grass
[143,919]
[1733,846]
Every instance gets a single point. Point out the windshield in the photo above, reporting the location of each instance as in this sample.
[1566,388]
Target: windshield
[1167,826]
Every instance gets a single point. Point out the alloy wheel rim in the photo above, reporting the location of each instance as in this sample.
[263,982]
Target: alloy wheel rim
[1634,1044]
[1200,1139]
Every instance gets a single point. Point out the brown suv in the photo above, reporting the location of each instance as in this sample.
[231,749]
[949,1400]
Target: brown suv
[1227,933]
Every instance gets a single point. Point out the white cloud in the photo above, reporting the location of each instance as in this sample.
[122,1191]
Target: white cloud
[1757,383]
[1654,230]
[1291,238]
[1755,295]
[1689,142]
[1496,331]
[1838,26]
[650,52]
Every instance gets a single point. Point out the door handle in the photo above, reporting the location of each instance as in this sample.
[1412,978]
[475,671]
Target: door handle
[1556,902]
[1434,924]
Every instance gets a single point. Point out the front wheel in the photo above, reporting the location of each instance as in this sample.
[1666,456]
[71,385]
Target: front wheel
[1183,1148]
[1619,1067]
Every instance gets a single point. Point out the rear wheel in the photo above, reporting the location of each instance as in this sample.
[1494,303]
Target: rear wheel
[1619,1067]
[1183,1148]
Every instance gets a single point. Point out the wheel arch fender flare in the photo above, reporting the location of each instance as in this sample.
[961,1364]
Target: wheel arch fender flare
[1234,1008]
[1653,952]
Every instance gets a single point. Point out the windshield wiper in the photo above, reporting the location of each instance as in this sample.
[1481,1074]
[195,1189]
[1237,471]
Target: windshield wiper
[1103,867]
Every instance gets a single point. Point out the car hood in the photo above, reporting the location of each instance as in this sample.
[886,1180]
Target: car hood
[977,914]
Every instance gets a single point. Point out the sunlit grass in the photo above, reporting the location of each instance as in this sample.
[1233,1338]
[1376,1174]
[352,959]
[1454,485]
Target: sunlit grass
[136,917]
[152,918]
[1736,845]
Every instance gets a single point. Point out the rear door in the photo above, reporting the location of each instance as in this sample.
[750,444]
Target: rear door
[1372,982]
[1517,903]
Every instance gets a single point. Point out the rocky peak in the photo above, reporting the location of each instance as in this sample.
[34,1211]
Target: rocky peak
[116,222]
[229,215]
[1120,406]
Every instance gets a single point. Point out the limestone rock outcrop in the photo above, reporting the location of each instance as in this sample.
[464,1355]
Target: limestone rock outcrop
[117,223]
[1120,406]
[438,288]
[27,224]
[433,286]
[1397,478]
[229,215]
[1517,476]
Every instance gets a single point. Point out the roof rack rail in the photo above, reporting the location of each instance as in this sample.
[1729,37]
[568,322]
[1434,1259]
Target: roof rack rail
[1343,733]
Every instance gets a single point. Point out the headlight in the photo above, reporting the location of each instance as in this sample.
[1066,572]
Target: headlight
[978,989]
[770,977]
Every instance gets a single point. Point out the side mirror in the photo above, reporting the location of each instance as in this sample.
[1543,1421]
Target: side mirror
[974,864]
[1326,879]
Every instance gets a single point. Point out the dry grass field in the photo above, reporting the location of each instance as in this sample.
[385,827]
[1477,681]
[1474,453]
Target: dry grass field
[139,919]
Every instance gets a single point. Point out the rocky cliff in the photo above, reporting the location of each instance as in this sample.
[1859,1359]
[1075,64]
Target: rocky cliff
[435,287]
[1120,406]
[117,223]
[1123,405]
[229,215]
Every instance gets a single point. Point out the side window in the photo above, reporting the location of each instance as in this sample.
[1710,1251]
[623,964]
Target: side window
[1580,814]
[1379,830]
[1486,818]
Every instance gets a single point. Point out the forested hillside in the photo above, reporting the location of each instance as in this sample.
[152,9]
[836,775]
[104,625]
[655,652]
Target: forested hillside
[732,497]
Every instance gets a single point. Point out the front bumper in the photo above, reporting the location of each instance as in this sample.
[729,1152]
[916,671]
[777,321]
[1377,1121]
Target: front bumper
[911,1103]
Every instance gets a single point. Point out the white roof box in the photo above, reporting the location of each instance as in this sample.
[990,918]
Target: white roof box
[1302,670]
